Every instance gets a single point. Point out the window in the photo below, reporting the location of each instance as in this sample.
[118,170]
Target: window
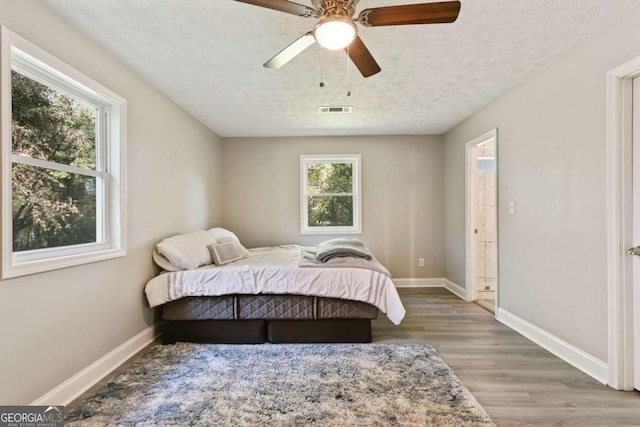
[63,169]
[330,200]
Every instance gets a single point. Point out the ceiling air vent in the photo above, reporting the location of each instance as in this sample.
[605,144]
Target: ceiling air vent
[335,109]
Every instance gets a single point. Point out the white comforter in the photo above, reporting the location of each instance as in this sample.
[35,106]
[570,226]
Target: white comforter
[276,271]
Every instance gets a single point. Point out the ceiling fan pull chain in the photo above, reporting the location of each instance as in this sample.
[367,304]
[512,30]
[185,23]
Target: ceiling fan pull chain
[348,71]
[321,66]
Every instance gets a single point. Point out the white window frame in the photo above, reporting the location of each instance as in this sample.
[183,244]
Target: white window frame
[111,205]
[354,159]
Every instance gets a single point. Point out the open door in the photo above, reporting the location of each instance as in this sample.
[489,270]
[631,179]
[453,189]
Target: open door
[482,223]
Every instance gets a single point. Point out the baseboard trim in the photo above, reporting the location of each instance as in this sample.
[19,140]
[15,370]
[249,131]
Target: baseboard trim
[456,289]
[69,390]
[435,282]
[588,364]
[419,283]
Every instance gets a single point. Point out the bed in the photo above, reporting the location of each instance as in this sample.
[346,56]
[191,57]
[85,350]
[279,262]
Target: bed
[278,295]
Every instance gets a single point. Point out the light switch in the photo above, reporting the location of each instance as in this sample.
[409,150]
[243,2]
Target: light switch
[512,208]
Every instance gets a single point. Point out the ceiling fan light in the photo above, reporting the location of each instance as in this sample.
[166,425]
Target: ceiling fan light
[335,33]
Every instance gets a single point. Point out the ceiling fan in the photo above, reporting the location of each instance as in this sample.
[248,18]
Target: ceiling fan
[336,28]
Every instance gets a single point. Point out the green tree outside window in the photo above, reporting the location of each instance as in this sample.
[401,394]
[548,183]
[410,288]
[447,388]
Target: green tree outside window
[50,207]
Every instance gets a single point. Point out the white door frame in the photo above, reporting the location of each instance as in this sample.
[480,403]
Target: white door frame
[470,216]
[636,231]
[620,223]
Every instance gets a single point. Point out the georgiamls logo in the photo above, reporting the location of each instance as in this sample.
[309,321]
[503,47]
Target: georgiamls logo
[32,416]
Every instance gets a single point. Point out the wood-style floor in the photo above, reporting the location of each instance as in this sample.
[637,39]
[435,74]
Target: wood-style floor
[515,380]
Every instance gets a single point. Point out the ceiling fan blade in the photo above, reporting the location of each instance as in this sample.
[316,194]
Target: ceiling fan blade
[424,13]
[283,6]
[362,58]
[291,51]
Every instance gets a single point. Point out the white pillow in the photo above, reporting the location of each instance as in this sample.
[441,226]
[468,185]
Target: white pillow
[162,262]
[188,251]
[220,233]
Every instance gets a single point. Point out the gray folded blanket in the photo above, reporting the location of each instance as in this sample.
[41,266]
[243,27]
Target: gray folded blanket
[308,259]
[342,247]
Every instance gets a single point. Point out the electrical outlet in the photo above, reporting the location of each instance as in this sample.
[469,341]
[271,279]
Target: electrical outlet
[420,262]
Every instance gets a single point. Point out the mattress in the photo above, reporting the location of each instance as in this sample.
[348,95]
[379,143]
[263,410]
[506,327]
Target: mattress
[266,307]
[277,271]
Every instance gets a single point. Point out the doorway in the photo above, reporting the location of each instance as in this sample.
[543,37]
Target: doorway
[623,224]
[482,220]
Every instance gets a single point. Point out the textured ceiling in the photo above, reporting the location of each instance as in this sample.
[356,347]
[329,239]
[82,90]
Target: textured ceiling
[207,56]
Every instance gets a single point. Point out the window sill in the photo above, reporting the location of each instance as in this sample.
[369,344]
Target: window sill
[331,230]
[25,268]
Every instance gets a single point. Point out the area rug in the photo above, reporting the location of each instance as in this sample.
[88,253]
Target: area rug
[284,385]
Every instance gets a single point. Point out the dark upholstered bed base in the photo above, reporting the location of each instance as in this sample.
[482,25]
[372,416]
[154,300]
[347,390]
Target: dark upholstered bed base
[319,331]
[273,331]
[215,331]
[266,307]
[244,319]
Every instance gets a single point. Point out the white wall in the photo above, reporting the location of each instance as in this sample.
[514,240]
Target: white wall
[52,325]
[552,163]
[402,200]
